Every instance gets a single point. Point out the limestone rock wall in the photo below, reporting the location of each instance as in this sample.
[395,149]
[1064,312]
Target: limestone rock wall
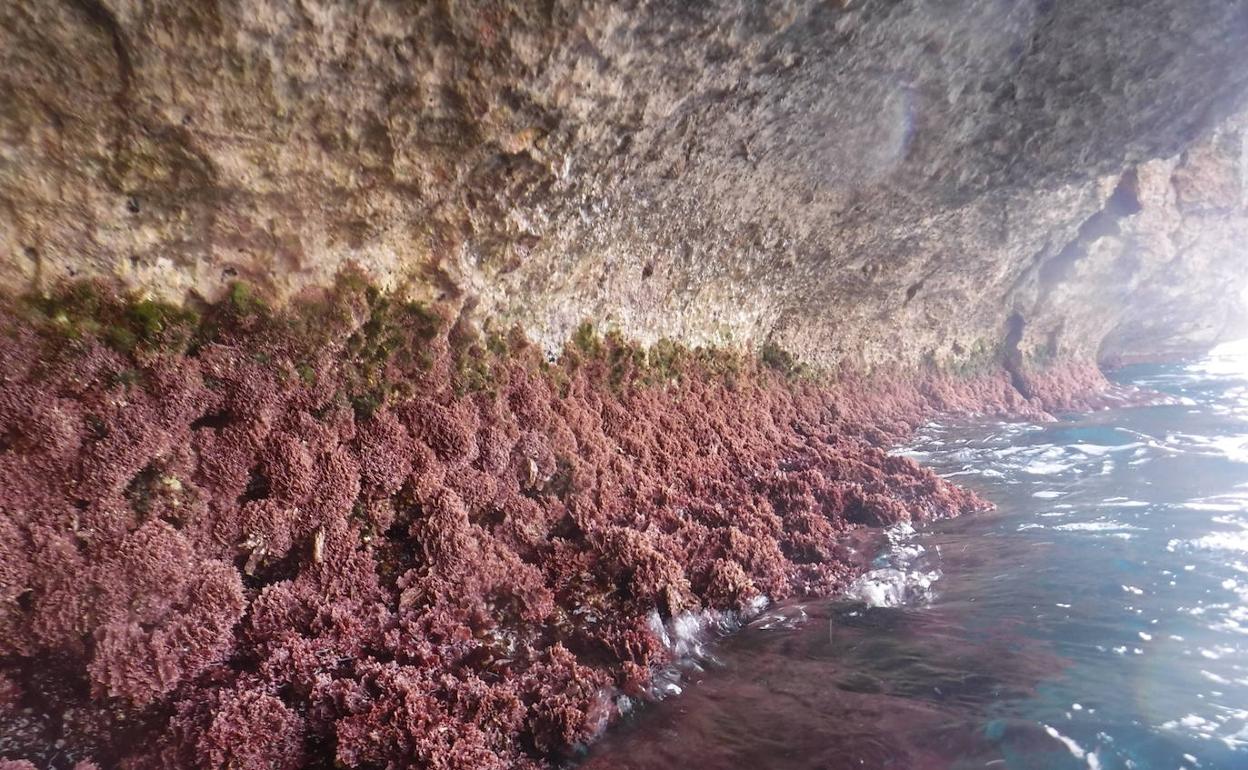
[859,181]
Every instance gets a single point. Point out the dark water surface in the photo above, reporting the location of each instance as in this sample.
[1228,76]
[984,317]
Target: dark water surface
[1098,619]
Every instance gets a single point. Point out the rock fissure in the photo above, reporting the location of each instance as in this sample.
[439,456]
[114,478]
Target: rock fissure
[1012,357]
[1123,202]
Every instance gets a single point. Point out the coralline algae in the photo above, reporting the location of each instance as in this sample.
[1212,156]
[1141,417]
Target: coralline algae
[352,533]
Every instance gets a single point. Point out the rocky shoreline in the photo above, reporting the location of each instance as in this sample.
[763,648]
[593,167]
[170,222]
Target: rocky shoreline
[308,454]
[389,540]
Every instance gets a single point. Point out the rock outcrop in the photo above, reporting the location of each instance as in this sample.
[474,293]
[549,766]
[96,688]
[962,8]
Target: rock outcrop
[258,512]
[858,181]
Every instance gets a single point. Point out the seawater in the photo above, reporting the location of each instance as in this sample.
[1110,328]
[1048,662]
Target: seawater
[1097,619]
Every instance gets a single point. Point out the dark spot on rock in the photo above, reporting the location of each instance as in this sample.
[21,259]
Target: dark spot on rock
[97,429]
[139,490]
[257,487]
[648,270]
[212,420]
[132,204]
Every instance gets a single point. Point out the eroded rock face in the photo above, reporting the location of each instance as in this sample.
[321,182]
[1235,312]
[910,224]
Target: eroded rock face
[860,181]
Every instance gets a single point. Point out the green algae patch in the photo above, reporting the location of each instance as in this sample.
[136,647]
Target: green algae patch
[127,323]
[780,360]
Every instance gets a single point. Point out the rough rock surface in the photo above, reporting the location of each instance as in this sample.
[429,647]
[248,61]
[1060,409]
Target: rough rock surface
[354,531]
[860,181]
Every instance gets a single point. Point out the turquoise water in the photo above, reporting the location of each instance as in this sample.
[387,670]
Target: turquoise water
[1097,619]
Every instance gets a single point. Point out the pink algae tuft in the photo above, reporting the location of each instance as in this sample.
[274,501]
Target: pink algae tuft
[343,536]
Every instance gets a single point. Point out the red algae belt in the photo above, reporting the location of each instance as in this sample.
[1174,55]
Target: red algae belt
[352,534]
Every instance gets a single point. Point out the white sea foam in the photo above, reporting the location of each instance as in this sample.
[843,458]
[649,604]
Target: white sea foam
[1217,541]
[687,637]
[1210,505]
[1046,468]
[902,578]
[892,587]
[781,618]
[1098,526]
[1080,753]
[1096,450]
